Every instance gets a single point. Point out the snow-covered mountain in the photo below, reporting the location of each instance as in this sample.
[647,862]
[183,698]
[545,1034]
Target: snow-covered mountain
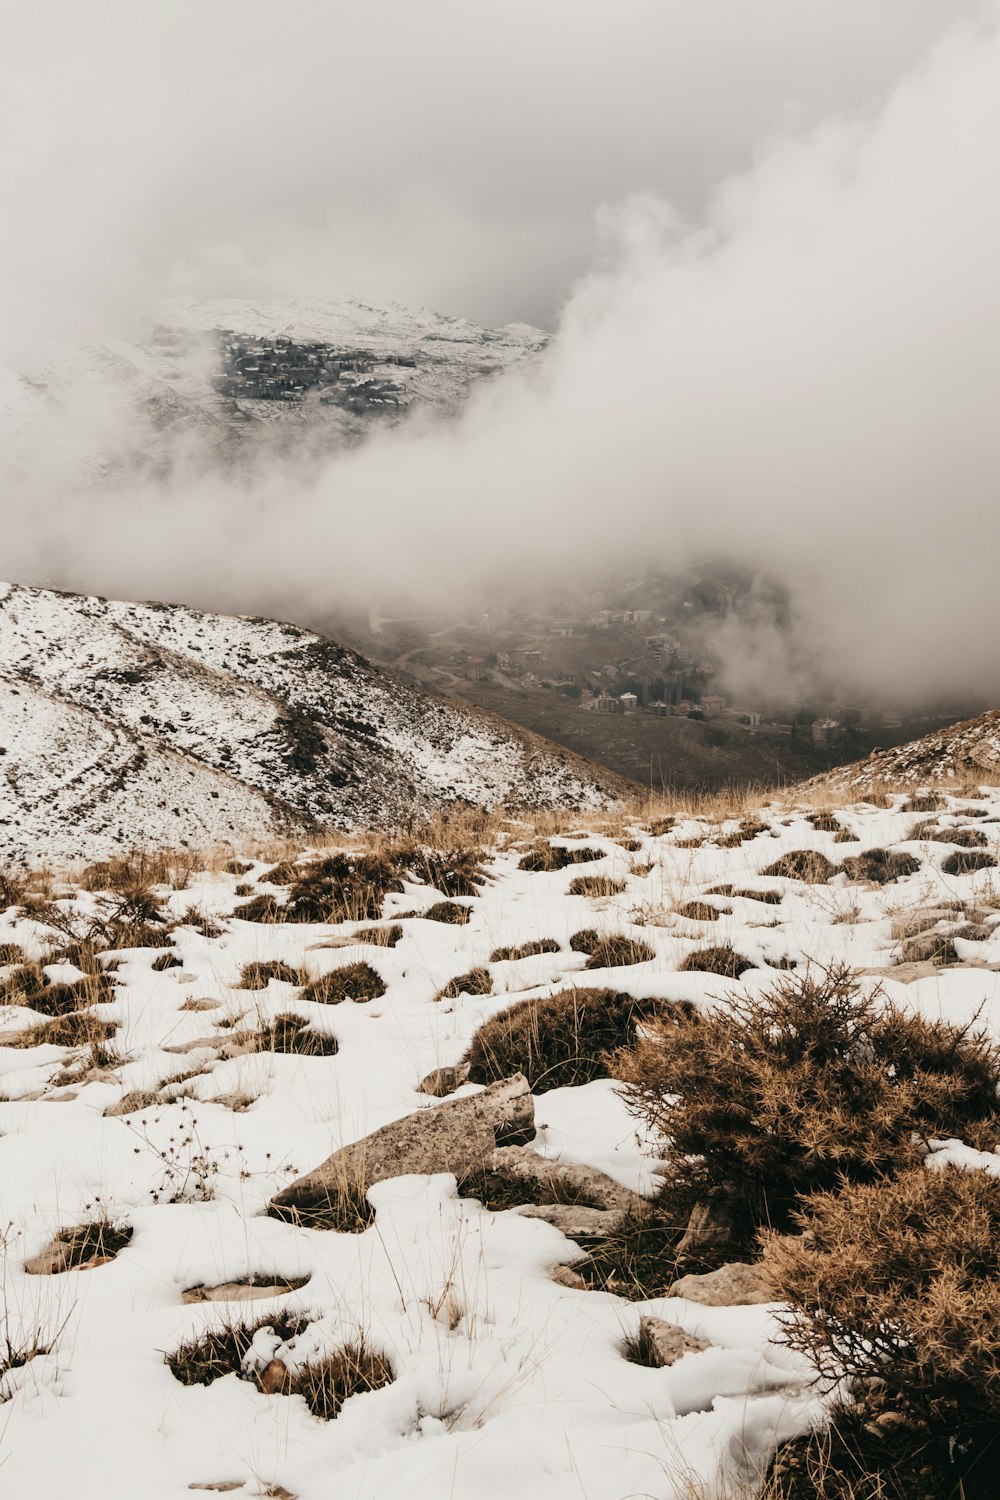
[126,725]
[221,377]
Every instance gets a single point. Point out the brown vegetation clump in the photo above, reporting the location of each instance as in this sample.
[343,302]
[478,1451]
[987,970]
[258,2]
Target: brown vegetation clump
[558,1041]
[525,950]
[447,911]
[457,871]
[897,1286]
[962,838]
[380,937]
[699,911]
[880,866]
[769,898]
[596,885]
[967,861]
[924,802]
[261,909]
[350,982]
[11,953]
[325,1384]
[98,1241]
[289,1033]
[721,959]
[475,982]
[221,1351]
[801,1086]
[547,857]
[342,888]
[77,1029]
[637,1261]
[823,822]
[585,941]
[807,865]
[618,952]
[748,830]
[257,975]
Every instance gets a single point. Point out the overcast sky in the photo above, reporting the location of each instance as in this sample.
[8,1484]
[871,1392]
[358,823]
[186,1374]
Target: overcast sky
[453,153]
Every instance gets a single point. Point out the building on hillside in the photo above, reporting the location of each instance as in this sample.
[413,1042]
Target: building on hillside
[657,708]
[476,669]
[713,703]
[604,703]
[504,662]
[827,732]
[682,708]
[530,659]
[610,672]
[629,703]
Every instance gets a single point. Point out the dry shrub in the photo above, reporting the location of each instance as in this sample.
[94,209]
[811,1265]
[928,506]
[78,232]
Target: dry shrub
[10,953]
[967,861]
[823,822]
[447,911]
[221,1351]
[557,1041]
[721,959]
[924,802]
[618,952]
[498,1189]
[596,885]
[257,975]
[238,867]
[525,950]
[699,911]
[164,962]
[548,857]
[880,866]
[11,889]
[897,1285]
[796,1088]
[475,982]
[807,865]
[845,836]
[350,982]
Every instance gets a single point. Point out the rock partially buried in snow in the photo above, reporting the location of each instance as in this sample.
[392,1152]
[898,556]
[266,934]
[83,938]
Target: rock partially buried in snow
[575,1222]
[665,1342]
[735,1284]
[250,1290]
[458,1136]
[567,1180]
[444,1081]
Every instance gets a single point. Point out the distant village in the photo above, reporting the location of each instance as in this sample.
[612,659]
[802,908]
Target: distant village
[261,368]
[660,678]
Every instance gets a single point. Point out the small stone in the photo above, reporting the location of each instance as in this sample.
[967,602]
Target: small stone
[275,1379]
[566,1276]
[575,1222]
[666,1342]
[709,1227]
[735,1284]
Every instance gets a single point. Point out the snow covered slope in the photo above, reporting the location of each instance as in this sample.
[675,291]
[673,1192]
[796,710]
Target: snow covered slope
[970,749]
[509,1374]
[150,724]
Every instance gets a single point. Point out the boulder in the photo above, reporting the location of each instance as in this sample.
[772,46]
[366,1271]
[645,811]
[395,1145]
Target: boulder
[922,919]
[250,1290]
[567,1180]
[457,1136]
[736,1284]
[665,1343]
[575,1222]
[709,1228]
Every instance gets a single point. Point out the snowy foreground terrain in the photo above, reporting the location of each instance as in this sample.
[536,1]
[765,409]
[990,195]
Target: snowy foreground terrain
[159,726]
[508,1377]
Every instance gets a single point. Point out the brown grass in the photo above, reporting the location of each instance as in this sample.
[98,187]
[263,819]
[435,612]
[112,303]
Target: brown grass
[721,959]
[596,885]
[475,982]
[618,951]
[525,950]
[257,975]
[357,981]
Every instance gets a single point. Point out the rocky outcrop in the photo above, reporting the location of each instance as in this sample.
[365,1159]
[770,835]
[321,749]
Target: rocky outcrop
[735,1284]
[458,1136]
[664,1343]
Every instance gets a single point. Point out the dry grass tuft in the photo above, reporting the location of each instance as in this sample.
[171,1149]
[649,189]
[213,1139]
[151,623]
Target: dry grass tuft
[807,865]
[475,982]
[357,981]
[560,1040]
[447,911]
[596,885]
[880,866]
[721,959]
[547,857]
[967,861]
[617,952]
[525,950]
[257,975]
